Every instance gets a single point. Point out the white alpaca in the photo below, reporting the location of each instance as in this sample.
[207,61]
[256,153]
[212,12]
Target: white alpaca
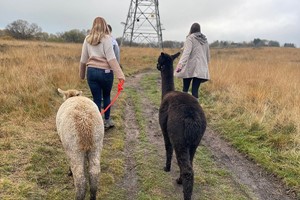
[80,128]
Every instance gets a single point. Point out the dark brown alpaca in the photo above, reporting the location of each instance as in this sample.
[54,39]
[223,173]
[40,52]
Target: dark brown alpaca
[182,122]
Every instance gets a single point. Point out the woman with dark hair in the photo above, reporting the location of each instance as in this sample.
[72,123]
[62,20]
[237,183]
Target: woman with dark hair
[193,64]
[99,60]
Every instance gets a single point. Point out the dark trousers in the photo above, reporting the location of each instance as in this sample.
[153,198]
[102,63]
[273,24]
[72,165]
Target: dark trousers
[195,85]
[100,82]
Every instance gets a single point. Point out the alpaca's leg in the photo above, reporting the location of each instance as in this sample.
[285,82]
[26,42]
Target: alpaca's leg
[94,171]
[169,152]
[186,172]
[188,183]
[77,167]
[180,161]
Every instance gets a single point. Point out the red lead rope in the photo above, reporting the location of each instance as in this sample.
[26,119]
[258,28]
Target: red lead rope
[120,88]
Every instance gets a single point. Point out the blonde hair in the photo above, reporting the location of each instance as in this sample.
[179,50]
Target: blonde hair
[98,31]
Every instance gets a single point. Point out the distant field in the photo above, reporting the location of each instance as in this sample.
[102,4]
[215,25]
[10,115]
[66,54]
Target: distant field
[253,100]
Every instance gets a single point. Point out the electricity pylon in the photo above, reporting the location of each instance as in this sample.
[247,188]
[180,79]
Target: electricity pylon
[143,24]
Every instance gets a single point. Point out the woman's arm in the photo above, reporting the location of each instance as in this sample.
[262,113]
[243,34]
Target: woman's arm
[186,52]
[82,69]
[113,63]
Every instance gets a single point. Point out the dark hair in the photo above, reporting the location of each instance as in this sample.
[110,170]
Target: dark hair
[109,27]
[195,28]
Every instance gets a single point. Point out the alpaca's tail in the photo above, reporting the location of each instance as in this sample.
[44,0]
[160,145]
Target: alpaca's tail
[193,131]
[84,128]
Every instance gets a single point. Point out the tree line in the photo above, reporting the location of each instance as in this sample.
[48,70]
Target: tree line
[21,29]
[257,42]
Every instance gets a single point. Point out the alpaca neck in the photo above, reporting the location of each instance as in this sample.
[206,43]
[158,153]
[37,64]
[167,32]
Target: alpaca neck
[167,82]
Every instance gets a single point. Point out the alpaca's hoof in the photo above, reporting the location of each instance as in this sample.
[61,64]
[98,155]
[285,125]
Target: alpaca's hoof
[70,173]
[167,169]
[179,181]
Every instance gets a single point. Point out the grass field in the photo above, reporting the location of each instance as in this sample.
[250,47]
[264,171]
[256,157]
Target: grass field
[253,101]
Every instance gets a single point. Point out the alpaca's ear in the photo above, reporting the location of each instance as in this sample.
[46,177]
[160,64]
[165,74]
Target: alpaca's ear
[62,92]
[162,53]
[175,56]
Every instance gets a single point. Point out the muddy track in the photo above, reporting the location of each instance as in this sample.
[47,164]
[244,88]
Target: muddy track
[132,132]
[261,185]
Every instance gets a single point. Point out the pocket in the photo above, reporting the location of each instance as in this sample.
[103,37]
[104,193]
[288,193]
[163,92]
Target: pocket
[109,77]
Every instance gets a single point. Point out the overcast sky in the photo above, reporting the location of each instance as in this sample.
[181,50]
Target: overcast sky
[230,20]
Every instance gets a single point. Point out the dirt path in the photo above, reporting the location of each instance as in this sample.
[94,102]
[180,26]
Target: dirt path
[132,131]
[261,185]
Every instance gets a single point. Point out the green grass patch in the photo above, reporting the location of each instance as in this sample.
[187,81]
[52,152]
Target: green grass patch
[150,86]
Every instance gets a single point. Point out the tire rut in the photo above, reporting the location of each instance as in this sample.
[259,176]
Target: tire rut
[130,181]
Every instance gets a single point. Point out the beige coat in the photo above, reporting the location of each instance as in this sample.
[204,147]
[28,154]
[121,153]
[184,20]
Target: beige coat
[195,58]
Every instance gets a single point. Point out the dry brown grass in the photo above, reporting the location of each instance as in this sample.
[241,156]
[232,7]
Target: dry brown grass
[263,82]
[30,73]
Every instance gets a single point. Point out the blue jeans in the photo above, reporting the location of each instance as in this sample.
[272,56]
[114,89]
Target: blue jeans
[100,82]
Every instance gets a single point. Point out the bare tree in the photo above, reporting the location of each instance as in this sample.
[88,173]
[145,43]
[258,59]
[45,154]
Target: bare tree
[21,29]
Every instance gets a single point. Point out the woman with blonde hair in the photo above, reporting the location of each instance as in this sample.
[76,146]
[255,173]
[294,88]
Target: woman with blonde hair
[99,64]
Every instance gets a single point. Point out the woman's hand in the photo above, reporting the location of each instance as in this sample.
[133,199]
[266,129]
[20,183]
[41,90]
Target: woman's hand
[120,84]
[178,68]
